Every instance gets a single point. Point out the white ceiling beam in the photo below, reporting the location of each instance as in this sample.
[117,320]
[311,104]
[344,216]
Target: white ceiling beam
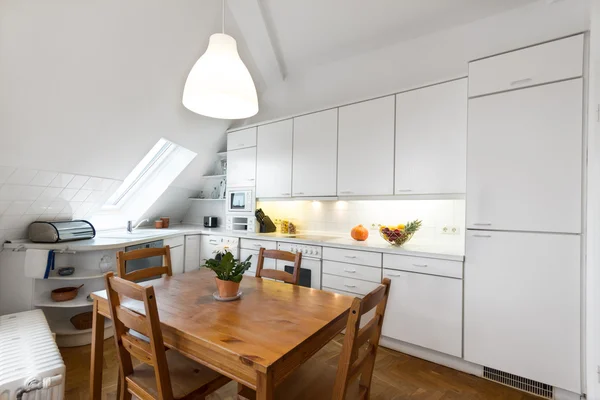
[260,39]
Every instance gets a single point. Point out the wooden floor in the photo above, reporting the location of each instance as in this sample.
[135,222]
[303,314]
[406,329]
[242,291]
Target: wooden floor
[397,376]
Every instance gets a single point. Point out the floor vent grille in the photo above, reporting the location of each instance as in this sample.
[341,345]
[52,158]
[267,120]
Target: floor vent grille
[518,382]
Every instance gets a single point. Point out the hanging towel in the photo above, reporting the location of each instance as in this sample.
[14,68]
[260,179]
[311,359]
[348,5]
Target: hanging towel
[38,263]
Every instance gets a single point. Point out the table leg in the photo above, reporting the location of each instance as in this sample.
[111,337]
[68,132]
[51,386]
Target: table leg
[265,388]
[97,354]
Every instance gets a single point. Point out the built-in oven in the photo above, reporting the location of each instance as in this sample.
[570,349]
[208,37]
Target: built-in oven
[310,268]
[142,263]
[241,201]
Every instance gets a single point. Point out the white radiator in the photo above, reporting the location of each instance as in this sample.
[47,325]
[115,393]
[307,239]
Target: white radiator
[29,358]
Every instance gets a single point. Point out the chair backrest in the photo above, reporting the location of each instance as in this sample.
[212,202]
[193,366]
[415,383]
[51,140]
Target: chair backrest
[292,278]
[146,273]
[355,361]
[124,320]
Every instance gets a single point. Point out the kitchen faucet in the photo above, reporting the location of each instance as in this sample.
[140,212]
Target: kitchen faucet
[131,228]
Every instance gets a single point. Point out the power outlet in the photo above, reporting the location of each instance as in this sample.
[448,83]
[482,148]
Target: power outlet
[450,230]
[374,227]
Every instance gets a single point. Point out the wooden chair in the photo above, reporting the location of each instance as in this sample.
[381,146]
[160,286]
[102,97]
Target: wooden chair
[292,278]
[146,273]
[316,379]
[161,375]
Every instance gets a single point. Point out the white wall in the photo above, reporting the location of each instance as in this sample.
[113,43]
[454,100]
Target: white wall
[88,87]
[436,57]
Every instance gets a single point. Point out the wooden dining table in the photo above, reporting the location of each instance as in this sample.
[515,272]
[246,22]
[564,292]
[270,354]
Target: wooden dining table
[257,340]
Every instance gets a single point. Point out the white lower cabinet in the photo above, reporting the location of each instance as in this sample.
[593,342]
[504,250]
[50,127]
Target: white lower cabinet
[177,246]
[522,305]
[192,253]
[425,310]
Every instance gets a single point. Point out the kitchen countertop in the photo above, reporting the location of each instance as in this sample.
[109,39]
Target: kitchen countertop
[112,240]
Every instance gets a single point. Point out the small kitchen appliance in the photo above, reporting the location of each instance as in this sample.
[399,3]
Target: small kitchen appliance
[210,222]
[60,231]
[241,201]
[265,223]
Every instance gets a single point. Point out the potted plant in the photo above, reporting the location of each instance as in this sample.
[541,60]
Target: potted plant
[229,272]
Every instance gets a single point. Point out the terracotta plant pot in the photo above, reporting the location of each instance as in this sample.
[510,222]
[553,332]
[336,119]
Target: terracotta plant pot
[227,288]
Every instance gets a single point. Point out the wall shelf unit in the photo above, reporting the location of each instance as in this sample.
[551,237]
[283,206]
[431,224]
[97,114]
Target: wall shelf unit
[213,176]
[196,199]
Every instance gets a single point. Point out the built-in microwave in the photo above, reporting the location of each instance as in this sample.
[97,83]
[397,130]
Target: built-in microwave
[241,201]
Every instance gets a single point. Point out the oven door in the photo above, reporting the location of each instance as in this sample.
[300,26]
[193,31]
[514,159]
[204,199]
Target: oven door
[310,271]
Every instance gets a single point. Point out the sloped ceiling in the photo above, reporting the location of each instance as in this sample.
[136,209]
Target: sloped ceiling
[88,87]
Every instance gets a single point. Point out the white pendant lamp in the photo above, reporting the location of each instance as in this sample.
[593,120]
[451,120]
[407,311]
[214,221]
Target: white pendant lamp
[219,84]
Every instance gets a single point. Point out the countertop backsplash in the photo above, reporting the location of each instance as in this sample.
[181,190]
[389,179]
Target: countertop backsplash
[340,216]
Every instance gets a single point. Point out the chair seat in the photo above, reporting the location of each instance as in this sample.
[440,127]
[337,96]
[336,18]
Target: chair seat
[314,380]
[187,377]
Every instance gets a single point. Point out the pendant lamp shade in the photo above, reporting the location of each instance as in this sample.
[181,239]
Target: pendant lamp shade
[219,85]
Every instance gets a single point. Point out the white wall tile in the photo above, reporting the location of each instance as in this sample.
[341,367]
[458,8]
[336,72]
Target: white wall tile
[95,196]
[81,195]
[9,221]
[4,205]
[61,180]
[30,192]
[93,184]
[5,173]
[38,207]
[22,176]
[67,194]
[78,181]
[10,192]
[50,193]
[43,178]
[106,184]
[18,207]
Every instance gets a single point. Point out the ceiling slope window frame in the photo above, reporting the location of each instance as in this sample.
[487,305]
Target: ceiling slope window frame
[144,185]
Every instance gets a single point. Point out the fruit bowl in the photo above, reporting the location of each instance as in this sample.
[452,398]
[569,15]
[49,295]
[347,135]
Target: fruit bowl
[399,234]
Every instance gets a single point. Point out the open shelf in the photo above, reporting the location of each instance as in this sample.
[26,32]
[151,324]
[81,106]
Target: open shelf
[79,301]
[222,154]
[65,327]
[213,176]
[79,274]
[196,199]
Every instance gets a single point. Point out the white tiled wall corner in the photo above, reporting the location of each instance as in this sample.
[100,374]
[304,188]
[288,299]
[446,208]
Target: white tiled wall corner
[340,216]
[28,195]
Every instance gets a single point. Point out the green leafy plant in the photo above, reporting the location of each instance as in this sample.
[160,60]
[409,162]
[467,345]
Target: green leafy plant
[227,268]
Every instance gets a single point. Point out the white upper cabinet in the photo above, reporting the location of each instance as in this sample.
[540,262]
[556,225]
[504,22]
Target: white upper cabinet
[274,160]
[315,154]
[241,139]
[522,305]
[241,167]
[366,148]
[525,159]
[548,62]
[431,139]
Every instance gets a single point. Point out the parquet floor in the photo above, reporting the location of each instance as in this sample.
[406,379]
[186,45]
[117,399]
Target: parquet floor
[397,376]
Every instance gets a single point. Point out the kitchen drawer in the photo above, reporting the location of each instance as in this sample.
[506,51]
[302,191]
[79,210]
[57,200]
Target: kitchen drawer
[256,244]
[174,241]
[548,62]
[354,271]
[352,256]
[431,266]
[348,284]
[241,139]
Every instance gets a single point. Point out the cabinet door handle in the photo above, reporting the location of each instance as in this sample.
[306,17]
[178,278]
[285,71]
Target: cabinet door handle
[403,190]
[299,193]
[420,265]
[393,275]
[350,271]
[350,256]
[482,236]
[213,241]
[346,192]
[482,223]
[520,81]
[350,286]
[251,179]
[257,245]
[285,194]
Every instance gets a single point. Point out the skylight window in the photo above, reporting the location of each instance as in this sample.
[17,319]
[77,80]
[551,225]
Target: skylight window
[144,185]
[150,163]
